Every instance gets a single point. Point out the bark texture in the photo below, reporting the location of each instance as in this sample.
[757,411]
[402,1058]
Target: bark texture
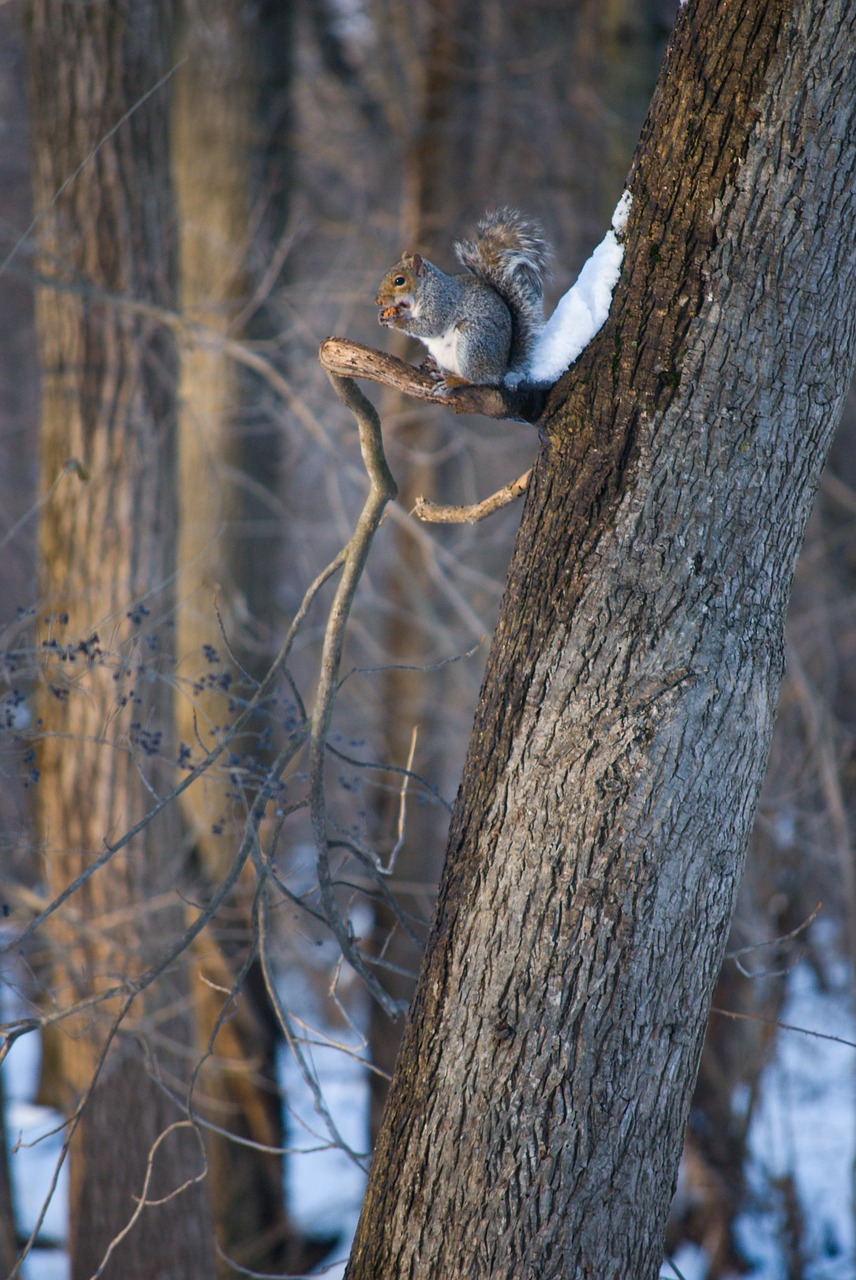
[538,1109]
[107,548]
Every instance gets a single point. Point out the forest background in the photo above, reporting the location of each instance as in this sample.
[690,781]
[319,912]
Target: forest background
[308,143]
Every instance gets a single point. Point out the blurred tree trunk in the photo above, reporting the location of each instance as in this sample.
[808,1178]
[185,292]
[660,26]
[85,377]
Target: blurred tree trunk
[213,127]
[535,1122]
[18,422]
[107,551]
[8,1241]
[232,206]
[231,210]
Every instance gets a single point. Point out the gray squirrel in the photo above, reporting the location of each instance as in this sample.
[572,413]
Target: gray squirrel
[480,326]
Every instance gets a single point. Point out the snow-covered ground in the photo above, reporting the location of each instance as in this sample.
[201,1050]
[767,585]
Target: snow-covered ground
[325,1184]
[804,1128]
[35,1140]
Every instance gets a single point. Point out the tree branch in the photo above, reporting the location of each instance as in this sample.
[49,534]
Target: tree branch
[382,490]
[438,513]
[347,359]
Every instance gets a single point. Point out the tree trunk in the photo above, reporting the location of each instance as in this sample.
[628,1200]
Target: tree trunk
[225,568]
[107,547]
[537,1114]
[8,1241]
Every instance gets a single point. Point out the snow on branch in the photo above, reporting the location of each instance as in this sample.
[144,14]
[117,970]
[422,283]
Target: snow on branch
[581,313]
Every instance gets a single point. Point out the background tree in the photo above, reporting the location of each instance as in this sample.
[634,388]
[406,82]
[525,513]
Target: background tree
[539,1103]
[231,204]
[107,549]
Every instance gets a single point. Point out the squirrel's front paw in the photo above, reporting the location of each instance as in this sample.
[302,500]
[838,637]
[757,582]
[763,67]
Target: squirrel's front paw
[443,382]
[449,382]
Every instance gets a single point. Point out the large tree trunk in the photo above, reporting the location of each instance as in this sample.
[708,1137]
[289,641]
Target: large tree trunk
[107,549]
[537,1114]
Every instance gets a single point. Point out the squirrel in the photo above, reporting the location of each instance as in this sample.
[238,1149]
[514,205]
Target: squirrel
[479,326]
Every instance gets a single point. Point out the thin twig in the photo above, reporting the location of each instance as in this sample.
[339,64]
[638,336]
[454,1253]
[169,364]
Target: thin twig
[198,770]
[402,806]
[774,942]
[783,1026]
[437,513]
[382,490]
[293,1041]
[142,1201]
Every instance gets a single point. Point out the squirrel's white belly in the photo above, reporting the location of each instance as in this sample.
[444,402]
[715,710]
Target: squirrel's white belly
[444,349]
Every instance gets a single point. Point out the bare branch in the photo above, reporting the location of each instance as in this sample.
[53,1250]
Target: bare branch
[402,806]
[437,513]
[202,767]
[293,1042]
[382,489]
[347,359]
[143,1201]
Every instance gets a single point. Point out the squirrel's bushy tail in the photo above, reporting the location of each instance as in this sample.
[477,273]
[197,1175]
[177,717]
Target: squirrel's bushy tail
[511,254]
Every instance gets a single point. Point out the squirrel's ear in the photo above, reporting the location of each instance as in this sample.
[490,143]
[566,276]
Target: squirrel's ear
[418,264]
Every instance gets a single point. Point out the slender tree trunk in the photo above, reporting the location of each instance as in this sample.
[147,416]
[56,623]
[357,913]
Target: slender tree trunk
[107,548]
[8,1241]
[220,128]
[537,1114]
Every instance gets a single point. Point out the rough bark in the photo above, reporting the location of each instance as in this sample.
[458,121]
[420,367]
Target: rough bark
[107,550]
[537,1114]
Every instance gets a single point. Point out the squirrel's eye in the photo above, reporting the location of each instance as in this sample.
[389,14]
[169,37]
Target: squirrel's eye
[399,281]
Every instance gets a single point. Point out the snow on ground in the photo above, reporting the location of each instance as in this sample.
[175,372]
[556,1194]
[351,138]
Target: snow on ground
[325,1184]
[324,1187]
[804,1126]
[35,1140]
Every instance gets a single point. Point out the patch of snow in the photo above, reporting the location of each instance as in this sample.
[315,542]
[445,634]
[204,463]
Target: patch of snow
[804,1128]
[47,1264]
[690,1263]
[34,1140]
[582,312]
[325,1183]
[622,213]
